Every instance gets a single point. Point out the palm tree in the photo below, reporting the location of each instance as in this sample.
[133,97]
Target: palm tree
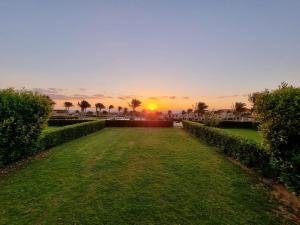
[183,114]
[68,105]
[99,106]
[200,108]
[119,109]
[169,113]
[110,107]
[84,105]
[125,111]
[134,104]
[239,108]
[189,111]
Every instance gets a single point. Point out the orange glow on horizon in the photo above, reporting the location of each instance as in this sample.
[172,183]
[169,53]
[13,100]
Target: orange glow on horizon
[152,106]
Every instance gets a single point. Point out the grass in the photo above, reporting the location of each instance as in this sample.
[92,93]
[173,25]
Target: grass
[134,176]
[245,133]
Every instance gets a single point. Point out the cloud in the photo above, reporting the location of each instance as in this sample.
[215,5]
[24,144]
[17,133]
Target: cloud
[152,98]
[232,96]
[172,97]
[186,97]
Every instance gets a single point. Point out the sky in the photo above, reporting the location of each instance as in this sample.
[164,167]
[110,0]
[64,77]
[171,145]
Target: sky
[168,53]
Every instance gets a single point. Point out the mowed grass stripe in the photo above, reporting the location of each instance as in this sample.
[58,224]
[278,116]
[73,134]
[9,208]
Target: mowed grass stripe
[134,176]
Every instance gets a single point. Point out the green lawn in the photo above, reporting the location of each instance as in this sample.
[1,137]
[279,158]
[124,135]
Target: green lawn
[134,176]
[246,133]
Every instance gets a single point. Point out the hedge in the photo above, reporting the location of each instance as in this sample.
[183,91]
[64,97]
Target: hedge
[52,138]
[139,123]
[247,151]
[23,116]
[65,122]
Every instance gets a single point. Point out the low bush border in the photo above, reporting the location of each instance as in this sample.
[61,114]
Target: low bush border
[247,151]
[67,133]
[66,122]
[139,123]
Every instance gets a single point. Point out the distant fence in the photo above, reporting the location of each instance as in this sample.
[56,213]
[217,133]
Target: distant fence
[139,123]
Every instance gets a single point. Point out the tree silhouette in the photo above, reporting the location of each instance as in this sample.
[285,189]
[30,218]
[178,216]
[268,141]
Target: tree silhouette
[200,108]
[169,113]
[99,106]
[68,105]
[183,114]
[239,108]
[84,105]
[134,104]
[189,111]
[119,109]
[110,107]
[125,111]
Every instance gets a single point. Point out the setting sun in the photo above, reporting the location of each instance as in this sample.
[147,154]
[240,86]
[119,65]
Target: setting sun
[152,106]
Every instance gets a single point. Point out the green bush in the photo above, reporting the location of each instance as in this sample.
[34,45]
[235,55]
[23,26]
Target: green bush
[23,115]
[278,112]
[247,151]
[63,134]
[139,123]
[251,154]
[65,122]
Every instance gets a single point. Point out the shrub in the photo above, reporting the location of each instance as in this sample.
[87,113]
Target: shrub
[247,151]
[65,122]
[278,112]
[139,123]
[23,115]
[251,154]
[63,134]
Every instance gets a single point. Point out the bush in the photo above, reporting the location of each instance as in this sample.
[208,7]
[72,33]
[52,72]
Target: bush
[52,138]
[247,151]
[65,122]
[139,123]
[23,115]
[278,112]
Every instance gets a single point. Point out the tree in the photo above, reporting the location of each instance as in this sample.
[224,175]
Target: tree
[84,105]
[183,114]
[189,111]
[169,114]
[134,104]
[119,109]
[99,106]
[200,108]
[68,105]
[125,111]
[110,107]
[239,108]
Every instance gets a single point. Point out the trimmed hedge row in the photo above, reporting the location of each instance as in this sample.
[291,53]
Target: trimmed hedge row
[65,122]
[247,151]
[52,138]
[238,124]
[139,123]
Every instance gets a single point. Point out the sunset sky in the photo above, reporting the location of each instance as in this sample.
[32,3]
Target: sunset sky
[168,53]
